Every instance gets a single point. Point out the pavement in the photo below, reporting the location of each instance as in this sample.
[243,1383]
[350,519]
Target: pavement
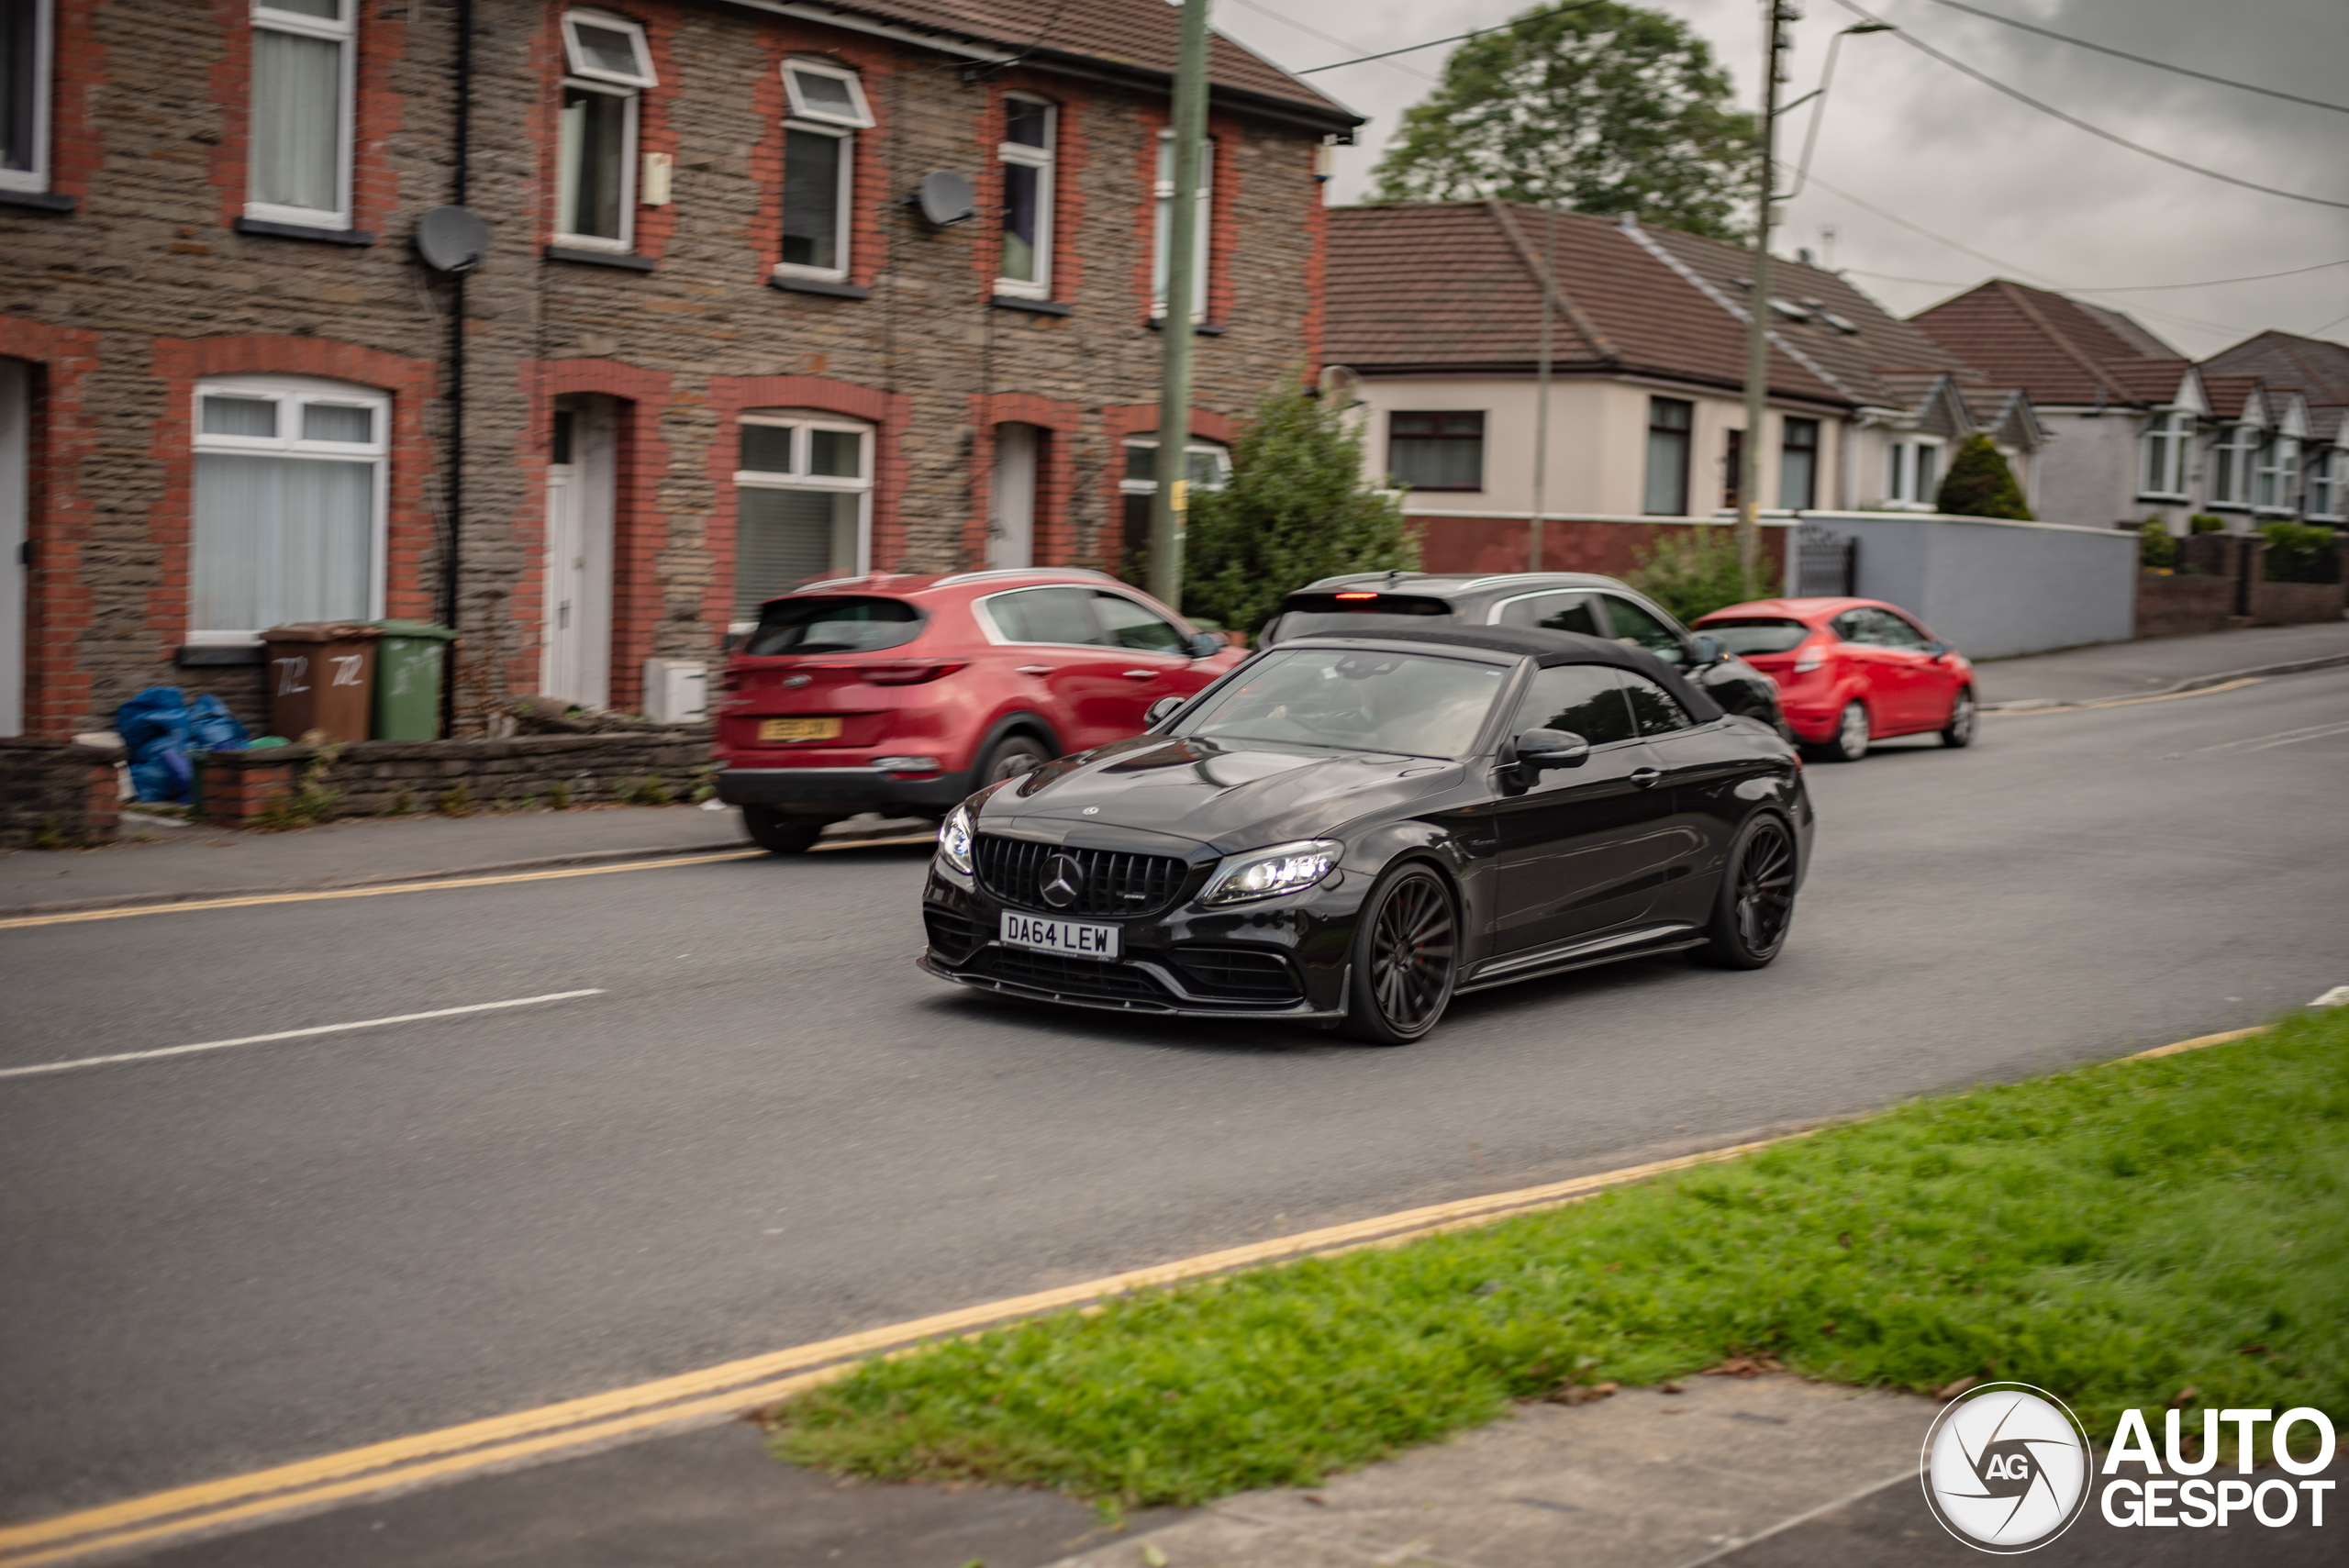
[2158,664]
[764,1128]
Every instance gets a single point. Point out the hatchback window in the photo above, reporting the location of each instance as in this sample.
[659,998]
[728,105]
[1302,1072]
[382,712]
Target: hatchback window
[1756,634]
[1580,699]
[1046,615]
[1657,710]
[1640,628]
[1356,612]
[1355,702]
[1131,626]
[1552,612]
[1894,631]
[1855,626]
[833,623]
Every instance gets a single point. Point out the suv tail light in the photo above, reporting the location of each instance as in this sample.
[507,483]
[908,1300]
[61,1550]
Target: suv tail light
[911,672]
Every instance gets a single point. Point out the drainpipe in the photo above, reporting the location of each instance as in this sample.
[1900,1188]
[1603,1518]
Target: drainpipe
[453,544]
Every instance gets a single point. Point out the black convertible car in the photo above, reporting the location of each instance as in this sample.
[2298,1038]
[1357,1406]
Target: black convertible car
[1351,831]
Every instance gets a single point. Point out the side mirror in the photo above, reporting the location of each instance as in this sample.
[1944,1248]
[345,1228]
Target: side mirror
[1202,643]
[1160,711]
[1938,649]
[1709,650]
[1539,751]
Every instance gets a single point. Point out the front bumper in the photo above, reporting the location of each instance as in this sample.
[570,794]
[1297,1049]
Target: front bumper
[1283,960]
[842,791]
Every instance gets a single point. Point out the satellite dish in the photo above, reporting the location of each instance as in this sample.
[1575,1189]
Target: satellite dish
[452,239]
[946,197]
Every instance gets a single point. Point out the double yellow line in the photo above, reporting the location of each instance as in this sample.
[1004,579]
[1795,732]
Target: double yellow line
[738,1386]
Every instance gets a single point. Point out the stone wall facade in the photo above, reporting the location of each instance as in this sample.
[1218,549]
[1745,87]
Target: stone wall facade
[56,794]
[382,778]
[141,274]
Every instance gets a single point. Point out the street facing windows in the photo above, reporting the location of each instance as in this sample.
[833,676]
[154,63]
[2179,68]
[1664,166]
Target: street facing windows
[1799,465]
[289,487]
[1666,495]
[298,162]
[1024,266]
[828,108]
[595,190]
[2166,443]
[24,94]
[802,484]
[1162,225]
[1436,451]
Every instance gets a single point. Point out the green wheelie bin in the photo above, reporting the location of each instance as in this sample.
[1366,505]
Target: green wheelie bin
[411,660]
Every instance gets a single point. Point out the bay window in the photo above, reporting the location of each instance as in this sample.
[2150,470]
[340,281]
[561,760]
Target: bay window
[608,67]
[2328,482]
[25,34]
[1436,451]
[289,504]
[803,489]
[828,108]
[2167,442]
[2232,457]
[298,158]
[1912,474]
[2275,475]
[1026,155]
[1162,225]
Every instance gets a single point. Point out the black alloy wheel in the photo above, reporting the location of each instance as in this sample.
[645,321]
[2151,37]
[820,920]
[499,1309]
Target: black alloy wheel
[1756,902]
[1959,731]
[779,832]
[1013,755]
[1406,955]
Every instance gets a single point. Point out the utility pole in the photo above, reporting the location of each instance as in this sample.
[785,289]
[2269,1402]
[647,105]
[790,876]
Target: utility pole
[1171,504]
[1542,389]
[1757,306]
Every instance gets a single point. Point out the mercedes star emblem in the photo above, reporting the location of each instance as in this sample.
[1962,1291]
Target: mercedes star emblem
[1064,880]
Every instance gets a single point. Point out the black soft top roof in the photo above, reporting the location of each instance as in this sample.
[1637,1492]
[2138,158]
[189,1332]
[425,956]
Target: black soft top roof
[1544,647]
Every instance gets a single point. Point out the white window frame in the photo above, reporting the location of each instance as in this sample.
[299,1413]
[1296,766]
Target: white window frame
[1163,225]
[859,118]
[2326,480]
[581,64]
[1197,447]
[291,393]
[35,179]
[584,75]
[344,32]
[2274,476]
[800,422]
[1901,473]
[842,128]
[1044,161]
[2241,443]
[2168,441]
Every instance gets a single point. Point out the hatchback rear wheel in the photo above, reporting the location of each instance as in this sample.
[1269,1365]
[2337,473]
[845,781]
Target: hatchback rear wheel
[1407,952]
[1850,742]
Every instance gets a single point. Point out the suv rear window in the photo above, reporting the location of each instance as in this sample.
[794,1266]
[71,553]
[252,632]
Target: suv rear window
[833,623]
[1353,610]
[1756,634]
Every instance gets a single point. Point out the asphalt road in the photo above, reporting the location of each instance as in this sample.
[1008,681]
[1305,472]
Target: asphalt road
[770,1127]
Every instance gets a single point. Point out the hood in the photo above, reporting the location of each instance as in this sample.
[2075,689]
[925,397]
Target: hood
[1230,799]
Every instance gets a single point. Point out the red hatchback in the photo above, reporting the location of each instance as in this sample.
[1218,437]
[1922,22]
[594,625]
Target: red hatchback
[1850,671]
[903,695]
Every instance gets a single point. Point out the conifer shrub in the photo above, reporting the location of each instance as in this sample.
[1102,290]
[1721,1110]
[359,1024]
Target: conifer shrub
[1980,485]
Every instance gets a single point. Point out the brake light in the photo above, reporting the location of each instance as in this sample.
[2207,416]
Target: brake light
[1811,658]
[1353,595]
[912,673]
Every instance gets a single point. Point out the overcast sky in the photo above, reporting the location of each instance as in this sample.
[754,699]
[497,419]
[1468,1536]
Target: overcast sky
[2057,207]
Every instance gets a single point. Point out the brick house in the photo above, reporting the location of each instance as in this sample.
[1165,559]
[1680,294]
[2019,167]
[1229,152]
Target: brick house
[2252,435]
[715,346]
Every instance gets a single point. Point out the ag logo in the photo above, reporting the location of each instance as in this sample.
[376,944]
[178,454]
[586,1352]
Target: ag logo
[2006,1468]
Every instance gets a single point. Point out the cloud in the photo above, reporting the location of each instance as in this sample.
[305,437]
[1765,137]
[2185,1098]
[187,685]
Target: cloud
[1908,135]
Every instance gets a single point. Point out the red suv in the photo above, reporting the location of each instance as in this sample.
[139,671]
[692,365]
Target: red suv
[903,695]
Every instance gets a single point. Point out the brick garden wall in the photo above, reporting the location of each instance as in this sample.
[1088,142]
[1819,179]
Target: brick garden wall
[56,794]
[376,778]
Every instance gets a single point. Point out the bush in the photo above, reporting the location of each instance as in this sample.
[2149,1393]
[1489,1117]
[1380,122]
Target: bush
[2297,552]
[2157,550]
[1980,485]
[1693,571]
[2204,523]
[1297,509]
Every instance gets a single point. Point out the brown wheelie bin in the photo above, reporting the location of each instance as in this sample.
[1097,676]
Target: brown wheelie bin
[321,676]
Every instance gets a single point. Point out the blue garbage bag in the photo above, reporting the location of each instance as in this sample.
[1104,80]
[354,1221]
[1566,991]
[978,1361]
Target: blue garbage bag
[155,732]
[212,727]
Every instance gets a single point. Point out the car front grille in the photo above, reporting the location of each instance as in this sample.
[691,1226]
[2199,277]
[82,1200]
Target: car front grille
[1250,975]
[1110,882]
[1068,977]
[952,936]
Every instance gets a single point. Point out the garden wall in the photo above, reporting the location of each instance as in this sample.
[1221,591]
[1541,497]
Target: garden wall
[56,794]
[376,778]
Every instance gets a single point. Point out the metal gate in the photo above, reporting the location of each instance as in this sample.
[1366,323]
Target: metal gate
[1827,565]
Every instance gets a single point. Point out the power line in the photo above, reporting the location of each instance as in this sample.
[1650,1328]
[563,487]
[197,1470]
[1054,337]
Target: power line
[2018,95]
[1456,38]
[1327,38]
[2122,288]
[2141,60]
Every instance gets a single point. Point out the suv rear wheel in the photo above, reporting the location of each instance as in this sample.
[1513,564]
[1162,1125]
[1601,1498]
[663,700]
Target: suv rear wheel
[780,832]
[1012,755]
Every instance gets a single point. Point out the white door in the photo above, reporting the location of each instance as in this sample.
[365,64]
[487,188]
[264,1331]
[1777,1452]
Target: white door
[16,433]
[578,664]
[1011,531]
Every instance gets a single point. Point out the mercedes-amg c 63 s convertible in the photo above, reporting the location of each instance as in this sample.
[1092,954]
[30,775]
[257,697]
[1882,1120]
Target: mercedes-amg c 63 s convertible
[1351,831]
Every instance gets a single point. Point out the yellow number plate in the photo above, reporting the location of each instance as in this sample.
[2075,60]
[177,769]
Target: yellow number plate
[799,730]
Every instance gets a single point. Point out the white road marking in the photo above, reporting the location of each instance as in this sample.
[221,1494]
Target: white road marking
[289,1034]
[2281,738]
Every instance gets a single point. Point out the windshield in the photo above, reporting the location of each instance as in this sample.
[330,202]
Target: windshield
[833,623]
[1352,612]
[1756,634]
[1403,703]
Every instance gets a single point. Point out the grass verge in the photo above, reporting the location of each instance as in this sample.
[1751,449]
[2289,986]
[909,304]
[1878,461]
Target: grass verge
[2117,1235]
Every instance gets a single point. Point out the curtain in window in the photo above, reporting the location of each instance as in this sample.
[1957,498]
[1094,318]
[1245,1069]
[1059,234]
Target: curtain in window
[19,88]
[784,537]
[595,141]
[297,120]
[811,198]
[1163,234]
[281,539]
[1667,485]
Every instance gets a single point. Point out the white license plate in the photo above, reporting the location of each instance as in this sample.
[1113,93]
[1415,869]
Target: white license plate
[1075,936]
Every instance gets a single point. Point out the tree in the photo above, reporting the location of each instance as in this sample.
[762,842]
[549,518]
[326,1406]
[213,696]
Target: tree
[1296,508]
[1693,571]
[1980,485]
[1609,108]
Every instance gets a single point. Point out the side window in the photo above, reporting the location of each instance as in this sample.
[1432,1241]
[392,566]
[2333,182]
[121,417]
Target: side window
[1852,626]
[828,109]
[1046,615]
[1581,699]
[1555,612]
[1894,631]
[1162,225]
[1024,266]
[607,68]
[1657,710]
[1129,625]
[298,166]
[1436,451]
[1641,629]
[25,27]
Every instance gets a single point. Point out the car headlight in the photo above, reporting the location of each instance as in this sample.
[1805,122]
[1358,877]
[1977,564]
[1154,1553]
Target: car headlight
[1267,873]
[954,839]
